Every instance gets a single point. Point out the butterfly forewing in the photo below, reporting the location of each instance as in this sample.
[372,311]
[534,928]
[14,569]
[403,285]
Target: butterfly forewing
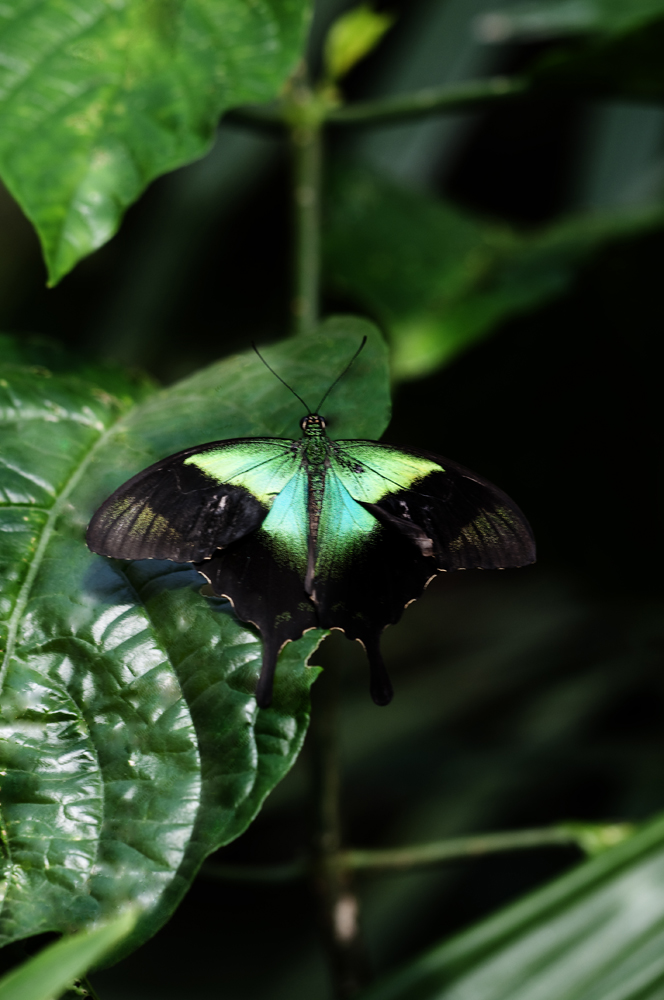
[188,505]
[469,521]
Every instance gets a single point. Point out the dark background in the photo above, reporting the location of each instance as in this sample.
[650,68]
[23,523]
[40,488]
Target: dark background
[522,698]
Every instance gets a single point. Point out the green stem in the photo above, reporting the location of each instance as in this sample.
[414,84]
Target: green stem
[457,97]
[306,142]
[338,905]
[588,837]
[433,100]
[461,847]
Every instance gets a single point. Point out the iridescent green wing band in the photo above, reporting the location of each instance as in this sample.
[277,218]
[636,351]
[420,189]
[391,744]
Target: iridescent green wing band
[370,471]
[261,465]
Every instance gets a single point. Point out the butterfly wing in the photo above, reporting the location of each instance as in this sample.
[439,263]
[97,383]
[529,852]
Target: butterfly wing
[451,513]
[263,575]
[410,515]
[187,506]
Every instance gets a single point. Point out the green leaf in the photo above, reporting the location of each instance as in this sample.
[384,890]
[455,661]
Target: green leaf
[99,98]
[352,37]
[45,976]
[440,279]
[130,741]
[597,933]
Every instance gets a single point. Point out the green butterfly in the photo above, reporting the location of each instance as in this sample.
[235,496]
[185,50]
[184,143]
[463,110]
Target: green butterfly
[314,533]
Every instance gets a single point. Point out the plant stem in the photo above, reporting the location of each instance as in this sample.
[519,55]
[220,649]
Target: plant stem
[432,100]
[337,902]
[590,838]
[306,142]
[457,97]
[460,847]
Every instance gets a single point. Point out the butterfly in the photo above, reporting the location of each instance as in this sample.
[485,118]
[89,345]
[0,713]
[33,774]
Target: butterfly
[313,533]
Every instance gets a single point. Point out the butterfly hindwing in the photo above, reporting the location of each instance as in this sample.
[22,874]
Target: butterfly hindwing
[188,505]
[266,591]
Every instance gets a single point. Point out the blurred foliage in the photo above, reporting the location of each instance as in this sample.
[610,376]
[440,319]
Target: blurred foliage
[438,278]
[45,976]
[351,38]
[605,917]
[96,100]
[625,66]
[551,18]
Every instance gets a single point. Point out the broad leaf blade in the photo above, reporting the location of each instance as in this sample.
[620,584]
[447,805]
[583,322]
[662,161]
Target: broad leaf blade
[131,742]
[597,933]
[98,99]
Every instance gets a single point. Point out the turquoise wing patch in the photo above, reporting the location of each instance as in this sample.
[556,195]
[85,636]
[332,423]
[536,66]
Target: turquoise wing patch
[344,528]
[286,527]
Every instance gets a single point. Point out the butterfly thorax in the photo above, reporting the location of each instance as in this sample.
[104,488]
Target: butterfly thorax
[315,446]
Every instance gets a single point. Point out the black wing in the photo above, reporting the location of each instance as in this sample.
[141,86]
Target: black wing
[265,592]
[174,510]
[458,517]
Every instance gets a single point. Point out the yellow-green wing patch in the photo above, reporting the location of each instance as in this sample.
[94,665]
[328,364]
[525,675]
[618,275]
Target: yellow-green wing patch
[261,465]
[370,471]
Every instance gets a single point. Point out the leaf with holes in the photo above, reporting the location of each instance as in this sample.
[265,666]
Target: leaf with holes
[130,741]
[97,99]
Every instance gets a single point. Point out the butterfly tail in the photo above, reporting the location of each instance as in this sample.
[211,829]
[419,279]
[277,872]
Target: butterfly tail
[380,685]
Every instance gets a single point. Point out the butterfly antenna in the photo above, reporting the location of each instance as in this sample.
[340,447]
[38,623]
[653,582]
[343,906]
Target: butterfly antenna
[269,367]
[344,372]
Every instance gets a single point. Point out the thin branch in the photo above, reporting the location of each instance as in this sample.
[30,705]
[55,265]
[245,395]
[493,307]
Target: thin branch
[306,144]
[453,98]
[590,838]
[461,847]
[433,100]
[338,906]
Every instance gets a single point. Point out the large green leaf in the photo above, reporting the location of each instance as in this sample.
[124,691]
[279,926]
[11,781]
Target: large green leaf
[438,278]
[97,98]
[51,971]
[597,933]
[130,740]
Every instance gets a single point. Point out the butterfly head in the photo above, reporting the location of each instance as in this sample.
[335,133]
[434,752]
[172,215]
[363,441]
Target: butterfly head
[313,425]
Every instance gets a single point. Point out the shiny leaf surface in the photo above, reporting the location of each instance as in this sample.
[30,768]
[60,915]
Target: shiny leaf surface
[97,99]
[130,742]
[597,933]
